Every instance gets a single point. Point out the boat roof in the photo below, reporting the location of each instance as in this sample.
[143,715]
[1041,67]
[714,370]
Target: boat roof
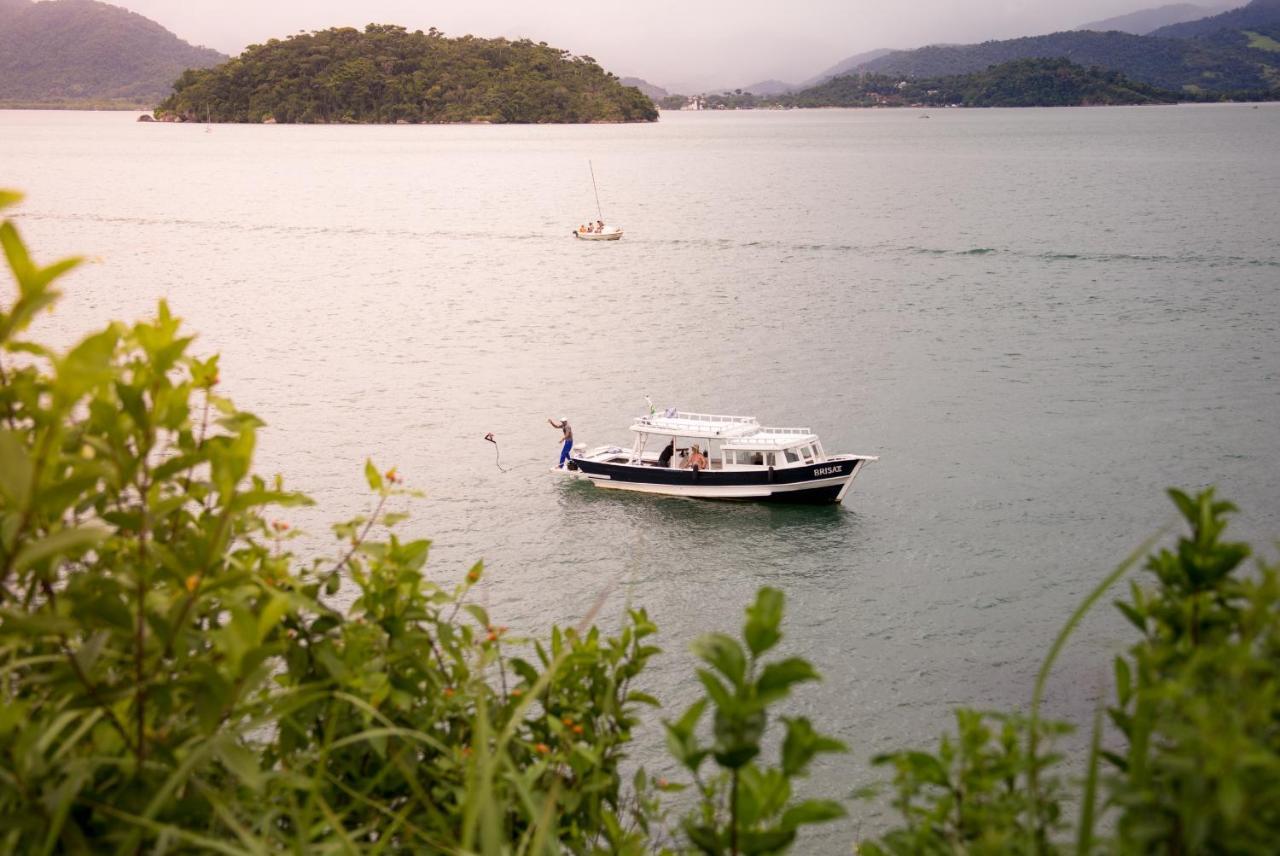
[737,431]
[773,438]
[682,423]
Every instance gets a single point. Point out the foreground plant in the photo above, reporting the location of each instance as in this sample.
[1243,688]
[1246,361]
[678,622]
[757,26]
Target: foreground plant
[171,676]
[744,806]
[1197,708]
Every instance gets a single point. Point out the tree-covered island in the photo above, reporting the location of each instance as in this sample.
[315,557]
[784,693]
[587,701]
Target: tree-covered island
[387,74]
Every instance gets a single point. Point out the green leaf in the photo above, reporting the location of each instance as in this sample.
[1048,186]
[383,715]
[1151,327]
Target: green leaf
[274,610]
[704,838]
[87,655]
[1124,682]
[372,475]
[802,743]
[1136,618]
[763,620]
[9,197]
[62,541]
[765,841]
[643,698]
[777,678]
[478,613]
[241,762]
[15,469]
[721,697]
[812,811]
[725,654]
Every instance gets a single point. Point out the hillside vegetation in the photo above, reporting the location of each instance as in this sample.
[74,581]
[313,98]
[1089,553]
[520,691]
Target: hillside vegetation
[1143,21]
[1209,58]
[388,74]
[78,52]
[1258,13]
[1177,64]
[1021,83]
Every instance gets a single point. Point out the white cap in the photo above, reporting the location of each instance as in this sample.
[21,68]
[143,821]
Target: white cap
[564,418]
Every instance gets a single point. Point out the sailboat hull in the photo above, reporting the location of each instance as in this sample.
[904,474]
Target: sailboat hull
[611,235]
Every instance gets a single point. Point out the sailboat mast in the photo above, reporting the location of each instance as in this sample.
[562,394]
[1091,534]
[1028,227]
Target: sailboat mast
[597,191]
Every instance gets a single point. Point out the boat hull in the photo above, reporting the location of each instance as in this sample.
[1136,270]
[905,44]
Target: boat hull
[825,482]
[598,236]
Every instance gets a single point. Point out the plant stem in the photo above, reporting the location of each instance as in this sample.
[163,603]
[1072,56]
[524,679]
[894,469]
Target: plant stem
[733,815]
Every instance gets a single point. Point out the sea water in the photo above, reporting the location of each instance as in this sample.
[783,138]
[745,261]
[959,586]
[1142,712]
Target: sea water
[1037,318]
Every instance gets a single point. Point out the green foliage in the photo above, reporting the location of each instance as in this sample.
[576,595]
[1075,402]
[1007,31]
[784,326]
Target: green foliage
[974,794]
[1223,68]
[1198,698]
[86,53]
[1019,83]
[1197,702]
[171,676]
[387,74]
[746,807]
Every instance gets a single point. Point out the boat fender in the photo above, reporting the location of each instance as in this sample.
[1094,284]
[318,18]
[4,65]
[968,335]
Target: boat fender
[770,475]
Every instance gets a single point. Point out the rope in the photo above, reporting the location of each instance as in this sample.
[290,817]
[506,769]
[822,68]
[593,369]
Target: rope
[497,455]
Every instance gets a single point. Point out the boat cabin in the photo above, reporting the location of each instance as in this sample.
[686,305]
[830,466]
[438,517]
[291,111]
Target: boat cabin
[730,443]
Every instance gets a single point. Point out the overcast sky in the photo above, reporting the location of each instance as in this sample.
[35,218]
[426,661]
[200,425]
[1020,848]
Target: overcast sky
[685,46]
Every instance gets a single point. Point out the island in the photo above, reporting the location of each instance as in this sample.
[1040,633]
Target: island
[387,74]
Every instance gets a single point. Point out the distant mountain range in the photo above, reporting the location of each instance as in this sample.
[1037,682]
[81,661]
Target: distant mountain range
[1226,55]
[83,53]
[1259,13]
[1143,21]
[844,66]
[1020,83]
[654,92]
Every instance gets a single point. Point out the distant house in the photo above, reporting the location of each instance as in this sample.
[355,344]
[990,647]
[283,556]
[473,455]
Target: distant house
[695,102]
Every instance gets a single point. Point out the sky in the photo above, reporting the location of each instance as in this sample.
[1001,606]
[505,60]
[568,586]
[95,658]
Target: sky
[682,45]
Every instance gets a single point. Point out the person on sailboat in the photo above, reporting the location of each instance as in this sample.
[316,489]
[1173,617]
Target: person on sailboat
[600,226]
[563,425]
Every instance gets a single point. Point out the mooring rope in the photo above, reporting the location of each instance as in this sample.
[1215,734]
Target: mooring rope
[497,455]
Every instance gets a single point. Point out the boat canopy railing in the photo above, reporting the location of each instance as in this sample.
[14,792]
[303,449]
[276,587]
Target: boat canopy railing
[791,431]
[674,421]
[772,438]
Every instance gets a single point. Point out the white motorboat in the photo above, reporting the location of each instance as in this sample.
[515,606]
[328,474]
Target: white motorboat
[745,461]
[610,233]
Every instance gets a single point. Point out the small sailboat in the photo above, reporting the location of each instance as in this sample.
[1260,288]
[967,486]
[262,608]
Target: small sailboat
[599,231]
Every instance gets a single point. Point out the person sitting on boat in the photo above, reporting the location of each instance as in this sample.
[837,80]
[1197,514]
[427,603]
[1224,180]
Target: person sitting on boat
[695,461]
[563,425]
[600,226]
[581,229]
[664,459]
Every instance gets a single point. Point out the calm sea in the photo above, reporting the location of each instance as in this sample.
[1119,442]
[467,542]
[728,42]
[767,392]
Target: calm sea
[1039,319]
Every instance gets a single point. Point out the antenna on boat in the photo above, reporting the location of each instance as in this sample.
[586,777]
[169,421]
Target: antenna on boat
[599,215]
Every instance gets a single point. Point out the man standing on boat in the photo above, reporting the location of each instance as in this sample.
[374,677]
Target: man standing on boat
[563,425]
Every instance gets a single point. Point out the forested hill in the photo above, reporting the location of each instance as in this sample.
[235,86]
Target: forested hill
[387,74]
[1020,83]
[1259,13]
[1194,66]
[78,52]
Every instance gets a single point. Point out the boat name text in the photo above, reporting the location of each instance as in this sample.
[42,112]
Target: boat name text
[826,471]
